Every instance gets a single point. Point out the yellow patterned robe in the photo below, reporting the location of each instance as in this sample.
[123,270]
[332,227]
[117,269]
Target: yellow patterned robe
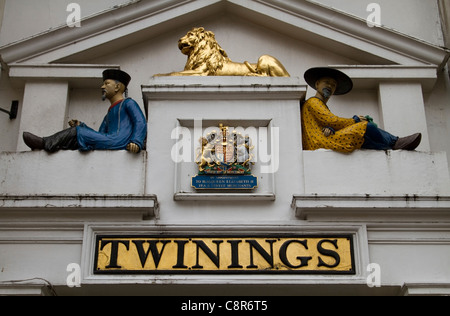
[316,116]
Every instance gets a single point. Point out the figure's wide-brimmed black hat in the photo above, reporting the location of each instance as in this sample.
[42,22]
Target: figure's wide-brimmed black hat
[344,83]
[119,75]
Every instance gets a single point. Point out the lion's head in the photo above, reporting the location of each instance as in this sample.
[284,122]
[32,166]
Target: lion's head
[202,48]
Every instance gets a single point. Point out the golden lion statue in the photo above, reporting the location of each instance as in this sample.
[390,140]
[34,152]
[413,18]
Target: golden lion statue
[207,58]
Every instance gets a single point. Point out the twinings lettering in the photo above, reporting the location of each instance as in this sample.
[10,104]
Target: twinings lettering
[152,255]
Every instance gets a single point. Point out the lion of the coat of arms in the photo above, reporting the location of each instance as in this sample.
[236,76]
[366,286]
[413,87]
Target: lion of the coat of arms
[207,58]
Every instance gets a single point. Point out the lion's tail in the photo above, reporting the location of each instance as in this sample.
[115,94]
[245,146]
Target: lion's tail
[250,67]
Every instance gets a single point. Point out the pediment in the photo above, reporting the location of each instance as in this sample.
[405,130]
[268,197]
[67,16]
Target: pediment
[329,32]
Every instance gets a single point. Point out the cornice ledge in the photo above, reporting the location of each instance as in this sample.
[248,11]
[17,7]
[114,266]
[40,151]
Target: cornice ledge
[425,289]
[370,76]
[357,28]
[58,71]
[93,25]
[74,206]
[372,207]
[57,43]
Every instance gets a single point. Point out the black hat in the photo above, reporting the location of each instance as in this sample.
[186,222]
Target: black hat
[344,83]
[119,75]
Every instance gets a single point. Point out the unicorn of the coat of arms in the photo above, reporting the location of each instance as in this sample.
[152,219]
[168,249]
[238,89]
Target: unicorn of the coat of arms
[225,153]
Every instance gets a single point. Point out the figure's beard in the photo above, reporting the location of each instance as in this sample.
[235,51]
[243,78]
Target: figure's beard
[104,96]
[327,93]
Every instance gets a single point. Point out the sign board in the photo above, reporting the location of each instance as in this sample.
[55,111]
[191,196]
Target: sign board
[224,255]
[225,182]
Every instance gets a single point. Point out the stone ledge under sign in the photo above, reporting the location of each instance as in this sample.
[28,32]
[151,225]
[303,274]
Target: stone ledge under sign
[372,208]
[79,206]
[187,196]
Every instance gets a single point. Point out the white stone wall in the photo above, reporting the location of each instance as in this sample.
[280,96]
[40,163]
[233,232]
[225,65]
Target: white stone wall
[419,19]
[395,204]
[2,8]
[35,17]
[144,60]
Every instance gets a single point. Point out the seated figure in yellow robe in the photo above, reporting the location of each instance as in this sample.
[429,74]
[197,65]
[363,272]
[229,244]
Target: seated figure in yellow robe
[323,130]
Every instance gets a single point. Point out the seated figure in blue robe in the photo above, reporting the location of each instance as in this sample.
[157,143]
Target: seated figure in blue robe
[124,126]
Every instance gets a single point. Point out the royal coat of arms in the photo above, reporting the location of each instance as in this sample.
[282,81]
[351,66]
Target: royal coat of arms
[225,160]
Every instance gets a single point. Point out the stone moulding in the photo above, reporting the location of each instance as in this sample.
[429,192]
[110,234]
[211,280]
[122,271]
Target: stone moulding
[145,206]
[372,207]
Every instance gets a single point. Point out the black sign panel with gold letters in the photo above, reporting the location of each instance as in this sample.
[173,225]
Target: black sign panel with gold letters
[224,255]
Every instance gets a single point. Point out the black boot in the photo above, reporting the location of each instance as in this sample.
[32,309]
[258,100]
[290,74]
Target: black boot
[33,141]
[409,142]
[64,140]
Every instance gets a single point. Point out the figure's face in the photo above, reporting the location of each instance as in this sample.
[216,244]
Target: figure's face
[110,88]
[326,87]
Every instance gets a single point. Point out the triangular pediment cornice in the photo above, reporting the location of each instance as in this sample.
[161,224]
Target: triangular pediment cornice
[306,21]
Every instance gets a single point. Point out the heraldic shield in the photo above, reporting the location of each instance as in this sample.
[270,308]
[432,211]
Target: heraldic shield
[225,159]
[225,153]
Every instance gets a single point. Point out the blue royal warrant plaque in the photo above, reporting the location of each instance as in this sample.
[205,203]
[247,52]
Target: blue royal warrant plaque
[225,182]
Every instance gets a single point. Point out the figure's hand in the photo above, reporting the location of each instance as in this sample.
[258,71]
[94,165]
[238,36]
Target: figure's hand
[133,148]
[74,123]
[362,118]
[328,131]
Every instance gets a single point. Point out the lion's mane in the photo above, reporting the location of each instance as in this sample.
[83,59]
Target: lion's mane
[206,51]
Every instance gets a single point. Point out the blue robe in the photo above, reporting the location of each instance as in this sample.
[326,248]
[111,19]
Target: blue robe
[124,124]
